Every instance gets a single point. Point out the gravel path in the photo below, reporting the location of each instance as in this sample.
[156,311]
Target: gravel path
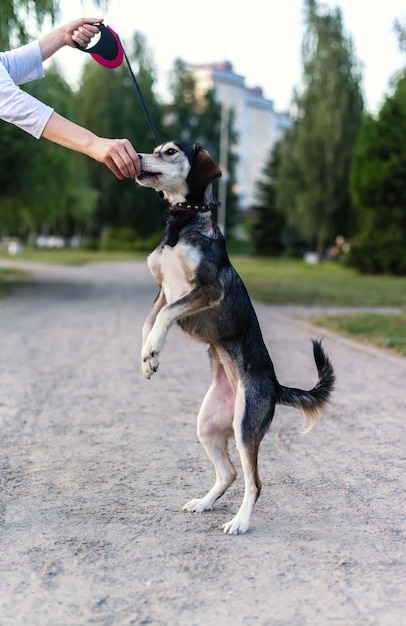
[96,464]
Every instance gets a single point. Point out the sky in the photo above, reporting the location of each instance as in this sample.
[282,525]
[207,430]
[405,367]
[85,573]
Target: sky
[261,38]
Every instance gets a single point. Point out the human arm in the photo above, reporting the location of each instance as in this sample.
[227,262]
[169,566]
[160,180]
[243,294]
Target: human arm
[118,154]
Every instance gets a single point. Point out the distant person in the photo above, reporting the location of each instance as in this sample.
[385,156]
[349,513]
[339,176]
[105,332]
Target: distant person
[24,64]
[340,248]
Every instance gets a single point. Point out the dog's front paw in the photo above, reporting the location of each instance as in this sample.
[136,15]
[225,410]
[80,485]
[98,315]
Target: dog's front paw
[150,363]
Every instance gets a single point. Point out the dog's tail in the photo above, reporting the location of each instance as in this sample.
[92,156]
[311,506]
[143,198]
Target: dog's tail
[312,402]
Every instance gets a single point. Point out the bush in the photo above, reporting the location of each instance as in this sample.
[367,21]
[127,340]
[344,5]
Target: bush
[385,255]
[378,188]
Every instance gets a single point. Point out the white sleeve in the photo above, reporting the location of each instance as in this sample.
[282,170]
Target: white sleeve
[17,106]
[23,64]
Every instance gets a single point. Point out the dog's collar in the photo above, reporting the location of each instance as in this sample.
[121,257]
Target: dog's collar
[191,207]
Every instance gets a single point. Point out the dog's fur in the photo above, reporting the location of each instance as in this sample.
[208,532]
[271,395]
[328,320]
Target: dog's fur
[202,292]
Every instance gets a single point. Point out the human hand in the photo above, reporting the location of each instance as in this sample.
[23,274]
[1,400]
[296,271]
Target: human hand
[81,31]
[118,154]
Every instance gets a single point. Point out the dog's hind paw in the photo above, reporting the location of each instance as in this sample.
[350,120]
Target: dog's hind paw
[236,526]
[150,365]
[198,505]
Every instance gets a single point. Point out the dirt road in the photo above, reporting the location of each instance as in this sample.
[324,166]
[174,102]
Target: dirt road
[96,464]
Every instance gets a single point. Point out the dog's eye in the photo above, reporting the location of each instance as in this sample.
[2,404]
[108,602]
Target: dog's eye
[170,151]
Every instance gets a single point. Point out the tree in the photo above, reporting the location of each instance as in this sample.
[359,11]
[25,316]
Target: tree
[17,15]
[400,30]
[313,177]
[267,221]
[43,186]
[14,144]
[270,230]
[378,188]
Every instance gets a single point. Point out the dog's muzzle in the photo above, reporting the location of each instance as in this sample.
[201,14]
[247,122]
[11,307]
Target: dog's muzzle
[145,175]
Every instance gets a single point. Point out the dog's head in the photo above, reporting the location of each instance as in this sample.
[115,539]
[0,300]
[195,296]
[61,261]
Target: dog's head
[182,171]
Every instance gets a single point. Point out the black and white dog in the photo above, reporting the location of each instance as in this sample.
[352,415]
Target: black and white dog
[202,292]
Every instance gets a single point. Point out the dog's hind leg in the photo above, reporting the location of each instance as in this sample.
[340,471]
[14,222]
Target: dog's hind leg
[248,446]
[214,429]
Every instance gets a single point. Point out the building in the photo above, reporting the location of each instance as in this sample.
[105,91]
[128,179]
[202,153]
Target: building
[256,122]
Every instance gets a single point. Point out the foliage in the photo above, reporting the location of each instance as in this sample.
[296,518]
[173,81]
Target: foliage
[400,30]
[269,228]
[312,180]
[15,16]
[43,186]
[378,188]
[267,222]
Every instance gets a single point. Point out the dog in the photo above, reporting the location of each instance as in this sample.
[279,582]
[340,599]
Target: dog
[201,291]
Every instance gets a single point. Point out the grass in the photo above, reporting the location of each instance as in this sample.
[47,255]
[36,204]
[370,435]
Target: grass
[289,281]
[70,256]
[294,282]
[9,277]
[284,281]
[384,331]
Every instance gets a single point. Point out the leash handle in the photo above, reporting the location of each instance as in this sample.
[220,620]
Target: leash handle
[109,52]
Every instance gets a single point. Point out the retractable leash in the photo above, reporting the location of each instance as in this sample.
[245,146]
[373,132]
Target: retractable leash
[109,52]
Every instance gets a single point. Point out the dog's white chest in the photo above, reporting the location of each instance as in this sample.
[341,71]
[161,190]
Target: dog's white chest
[174,268]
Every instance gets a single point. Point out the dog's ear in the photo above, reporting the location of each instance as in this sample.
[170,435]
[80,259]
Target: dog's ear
[203,169]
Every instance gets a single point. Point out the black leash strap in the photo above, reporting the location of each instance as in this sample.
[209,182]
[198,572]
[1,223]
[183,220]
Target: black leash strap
[144,106]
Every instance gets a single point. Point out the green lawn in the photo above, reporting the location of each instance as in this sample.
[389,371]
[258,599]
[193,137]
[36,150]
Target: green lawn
[69,256]
[385,331]
[294,282]
[284,281]
[277,281]
[10,277]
